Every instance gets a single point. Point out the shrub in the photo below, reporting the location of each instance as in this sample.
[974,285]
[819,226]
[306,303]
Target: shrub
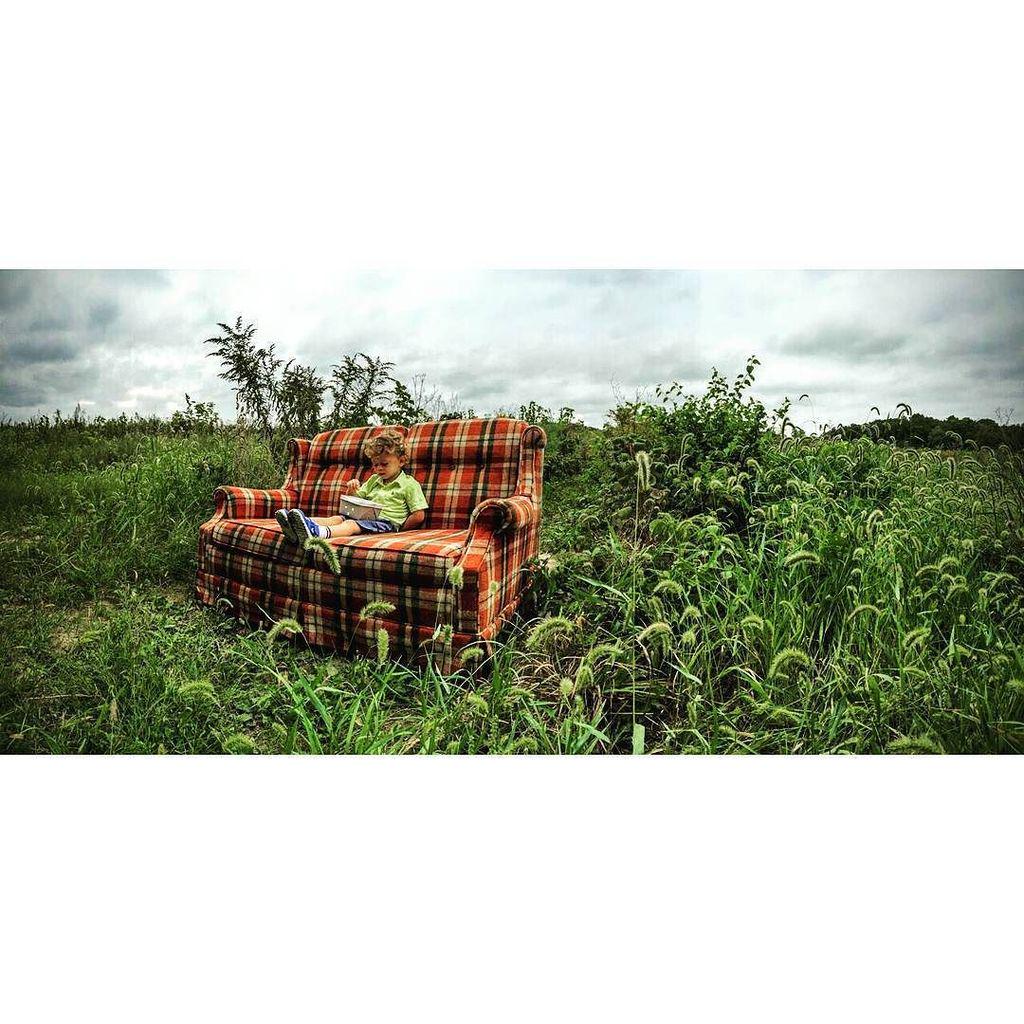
[700,448]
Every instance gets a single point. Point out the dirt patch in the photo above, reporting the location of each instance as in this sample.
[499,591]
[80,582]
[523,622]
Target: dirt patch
[176,593]
[77,621]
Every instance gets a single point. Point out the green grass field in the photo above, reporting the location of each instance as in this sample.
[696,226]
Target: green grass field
[780,596]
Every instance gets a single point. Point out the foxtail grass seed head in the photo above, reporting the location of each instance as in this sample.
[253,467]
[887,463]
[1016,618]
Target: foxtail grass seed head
[567,686]
[861,608]
[470,654]
[382,645]
[669,586]
[916,637]
[778,713]
[476,703]
[914,745]
[800,557]
[584,677]
[443,634]
[643,471]
[283,626]
[239,743]
[198,693]
[611,652]
[375,609]
[550,631]
[788,656]
[455,577]
[692,711]
[113,710]
[330,555]
[657,634]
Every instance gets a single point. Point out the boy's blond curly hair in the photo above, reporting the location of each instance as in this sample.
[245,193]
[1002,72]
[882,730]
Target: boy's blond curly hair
[387,442]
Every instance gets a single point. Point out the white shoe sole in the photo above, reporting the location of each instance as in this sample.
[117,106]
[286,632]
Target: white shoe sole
[284,522]
[299,528]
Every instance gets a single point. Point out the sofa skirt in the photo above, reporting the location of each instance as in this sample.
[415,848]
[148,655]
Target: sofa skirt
[341,629]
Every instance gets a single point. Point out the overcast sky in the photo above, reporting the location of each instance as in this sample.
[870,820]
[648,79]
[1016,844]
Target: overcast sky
[946,342]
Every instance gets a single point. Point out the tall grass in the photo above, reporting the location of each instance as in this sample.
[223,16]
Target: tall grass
[871,601]
[735,590]
[78,523]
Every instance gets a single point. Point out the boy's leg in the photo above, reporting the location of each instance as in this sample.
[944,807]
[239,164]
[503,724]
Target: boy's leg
[322,526]
[340,525]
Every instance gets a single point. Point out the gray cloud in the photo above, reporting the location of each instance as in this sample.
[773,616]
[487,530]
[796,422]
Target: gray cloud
[946,342]
[17,395]
[844,342]
[37,350]
[15,290]
[49,323]
[103,314]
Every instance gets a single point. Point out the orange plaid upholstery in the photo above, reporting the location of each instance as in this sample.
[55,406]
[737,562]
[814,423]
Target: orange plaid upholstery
[483,480]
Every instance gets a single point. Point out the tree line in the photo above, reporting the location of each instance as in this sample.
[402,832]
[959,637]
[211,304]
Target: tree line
[916,430]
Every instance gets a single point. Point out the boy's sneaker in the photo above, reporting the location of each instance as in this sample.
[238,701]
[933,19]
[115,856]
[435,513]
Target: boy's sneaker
[303,527]
[281,515]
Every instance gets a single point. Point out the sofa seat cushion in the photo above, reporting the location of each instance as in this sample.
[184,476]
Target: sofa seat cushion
[412,557]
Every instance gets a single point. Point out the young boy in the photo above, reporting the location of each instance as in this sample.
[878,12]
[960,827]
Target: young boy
[401,496]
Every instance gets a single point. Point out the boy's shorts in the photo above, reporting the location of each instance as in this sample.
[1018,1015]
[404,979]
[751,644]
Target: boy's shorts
[373,525]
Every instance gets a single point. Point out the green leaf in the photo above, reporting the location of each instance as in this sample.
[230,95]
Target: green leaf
[638,738]
[605,586]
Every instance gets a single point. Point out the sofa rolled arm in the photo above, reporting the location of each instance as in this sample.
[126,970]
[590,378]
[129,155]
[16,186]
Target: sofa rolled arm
[535,437]
[251,502]
[499,514]
[298,455]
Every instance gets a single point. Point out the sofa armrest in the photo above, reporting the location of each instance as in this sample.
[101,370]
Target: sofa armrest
[503,536]
[495,515]
[251,502]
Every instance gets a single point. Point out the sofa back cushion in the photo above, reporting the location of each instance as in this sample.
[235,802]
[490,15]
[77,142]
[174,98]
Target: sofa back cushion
[334,457]
[459,463]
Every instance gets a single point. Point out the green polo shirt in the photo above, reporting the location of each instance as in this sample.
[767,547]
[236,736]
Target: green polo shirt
[400,497]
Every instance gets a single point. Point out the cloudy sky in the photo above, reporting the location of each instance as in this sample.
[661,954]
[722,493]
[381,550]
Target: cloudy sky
[946,342]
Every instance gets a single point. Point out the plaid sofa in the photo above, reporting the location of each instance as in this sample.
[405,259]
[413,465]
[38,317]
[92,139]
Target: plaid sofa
[483,479]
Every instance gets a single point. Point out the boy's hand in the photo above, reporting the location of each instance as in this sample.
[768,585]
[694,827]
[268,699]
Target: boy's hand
[415,520]
[351,486]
